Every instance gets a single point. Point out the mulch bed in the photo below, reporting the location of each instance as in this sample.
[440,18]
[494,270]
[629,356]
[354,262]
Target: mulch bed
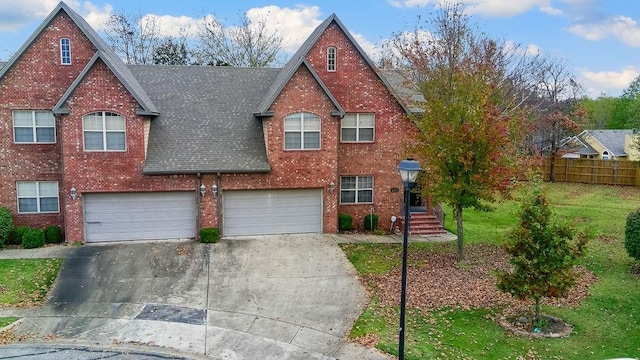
[439,281]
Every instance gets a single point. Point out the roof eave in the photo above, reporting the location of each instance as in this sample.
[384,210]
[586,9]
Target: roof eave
[205,171]
[18,54]
[99,55]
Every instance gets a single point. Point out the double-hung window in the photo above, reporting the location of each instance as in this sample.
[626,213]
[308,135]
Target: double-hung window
[37,197]
[356,189]
[30,127]
[302,132]
[357,128]
[65,51]
[331,59]
[104,131]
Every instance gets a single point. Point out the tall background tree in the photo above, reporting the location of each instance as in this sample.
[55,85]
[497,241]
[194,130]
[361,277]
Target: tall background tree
[627,110]
[133,36]
[171,51]
[558,114]
[475,93]
[251,44]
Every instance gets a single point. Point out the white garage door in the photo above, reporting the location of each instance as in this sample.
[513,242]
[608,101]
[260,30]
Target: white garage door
[264,212]
[139,216]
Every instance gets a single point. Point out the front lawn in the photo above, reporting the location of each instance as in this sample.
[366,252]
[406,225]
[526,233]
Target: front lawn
[26,282]
[452,306]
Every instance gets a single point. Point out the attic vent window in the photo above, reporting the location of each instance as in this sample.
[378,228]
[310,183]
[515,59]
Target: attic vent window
[65,51]
[331,59]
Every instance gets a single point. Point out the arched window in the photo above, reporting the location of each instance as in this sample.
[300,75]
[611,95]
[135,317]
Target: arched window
[331,59]
[302,132]
[605,155]
[104,131]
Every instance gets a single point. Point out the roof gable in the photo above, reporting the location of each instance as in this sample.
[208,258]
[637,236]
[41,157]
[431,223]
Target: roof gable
[113,66]
[300,58]
[118,67]
[611,140]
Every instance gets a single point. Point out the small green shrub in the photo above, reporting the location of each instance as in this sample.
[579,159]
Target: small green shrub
[16,235]
[371,222]
[53,234]
[632,235]
[345,222]
[209,235]
[6,225]
[32,238]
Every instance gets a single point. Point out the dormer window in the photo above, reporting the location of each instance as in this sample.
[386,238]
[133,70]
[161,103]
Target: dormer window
[65,51]
[331,59]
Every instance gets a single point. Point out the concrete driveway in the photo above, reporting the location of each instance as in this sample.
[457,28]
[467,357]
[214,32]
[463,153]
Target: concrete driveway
[275,297]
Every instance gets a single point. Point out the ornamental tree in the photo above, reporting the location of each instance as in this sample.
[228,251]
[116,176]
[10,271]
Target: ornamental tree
[543,253]
[475,92]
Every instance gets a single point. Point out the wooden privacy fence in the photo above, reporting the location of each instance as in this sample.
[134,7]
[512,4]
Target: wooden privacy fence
[592,171]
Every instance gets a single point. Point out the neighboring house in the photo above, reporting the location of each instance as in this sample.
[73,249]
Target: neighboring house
[117,152]
[602,144]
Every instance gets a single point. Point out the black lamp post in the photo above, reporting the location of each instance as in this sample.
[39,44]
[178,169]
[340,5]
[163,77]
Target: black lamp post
[408,170]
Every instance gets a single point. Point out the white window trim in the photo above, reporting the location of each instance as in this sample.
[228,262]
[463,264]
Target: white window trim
[105,131]
[358,127]
[33,128]
[18,197]
[606,155]
[332,57]
[357,189]
[62,57]
[302,131]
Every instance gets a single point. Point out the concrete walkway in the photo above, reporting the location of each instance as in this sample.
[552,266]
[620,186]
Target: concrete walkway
[268,297]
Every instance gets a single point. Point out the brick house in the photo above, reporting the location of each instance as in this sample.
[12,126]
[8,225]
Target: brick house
[111,151]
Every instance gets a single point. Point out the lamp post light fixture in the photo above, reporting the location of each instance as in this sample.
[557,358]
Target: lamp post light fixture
[409,170]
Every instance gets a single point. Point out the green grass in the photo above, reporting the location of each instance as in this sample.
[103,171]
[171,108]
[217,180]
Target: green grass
[4,321]
[607,323]
[26,282]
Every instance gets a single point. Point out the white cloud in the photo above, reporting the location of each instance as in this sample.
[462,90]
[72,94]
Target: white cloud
[623,28]
[497,8]
[95,16]
[17,14]
[174,26]
[550,10]
[295,24]
[609,82]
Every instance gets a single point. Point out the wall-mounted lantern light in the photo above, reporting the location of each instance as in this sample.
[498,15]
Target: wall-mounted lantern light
[203,190]
[214,190]
[332,187]
[73,193]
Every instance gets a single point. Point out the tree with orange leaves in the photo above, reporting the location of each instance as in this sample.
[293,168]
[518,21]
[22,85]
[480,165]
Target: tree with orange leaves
[475,91]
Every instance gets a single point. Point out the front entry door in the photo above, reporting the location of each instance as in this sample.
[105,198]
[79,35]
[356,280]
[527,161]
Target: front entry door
[415,197]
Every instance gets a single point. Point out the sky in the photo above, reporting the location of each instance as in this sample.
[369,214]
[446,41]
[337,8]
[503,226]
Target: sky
[600,39]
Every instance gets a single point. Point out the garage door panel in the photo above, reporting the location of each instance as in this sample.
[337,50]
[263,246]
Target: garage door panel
[263,212]
[139,216]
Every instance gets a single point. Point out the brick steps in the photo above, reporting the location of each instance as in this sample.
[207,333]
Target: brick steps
[424,224]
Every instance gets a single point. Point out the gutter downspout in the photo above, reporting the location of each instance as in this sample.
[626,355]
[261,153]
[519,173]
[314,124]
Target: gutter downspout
[218,204]
[199,206]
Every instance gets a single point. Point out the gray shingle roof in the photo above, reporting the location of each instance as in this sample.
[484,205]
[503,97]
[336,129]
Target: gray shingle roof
[403,88]
[613,140]
[206,122]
